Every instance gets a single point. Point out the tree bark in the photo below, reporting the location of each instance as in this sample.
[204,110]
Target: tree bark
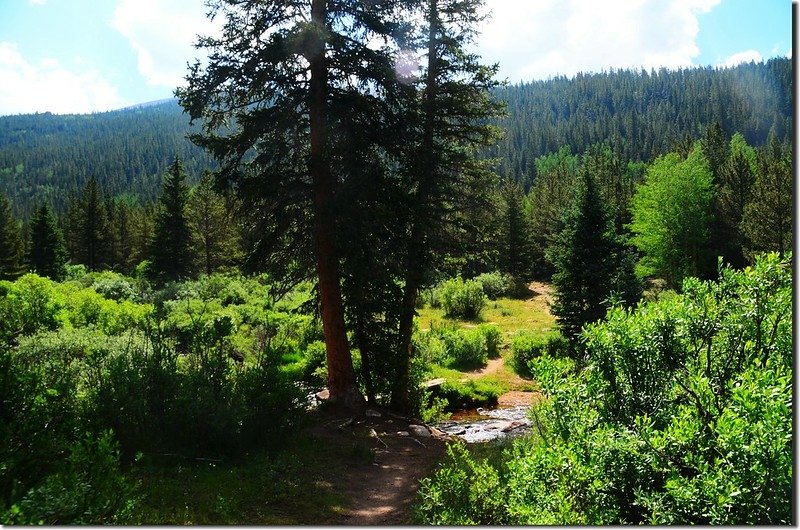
[341,375]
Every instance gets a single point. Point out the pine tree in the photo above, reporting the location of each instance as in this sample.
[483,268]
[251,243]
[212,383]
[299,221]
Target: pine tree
[444,173]
[734,189]
[515,253]
[591,267]
[215,235]
[295,78]
[10,242]
[93,228]
[170,250]
[767,218]
[47,253]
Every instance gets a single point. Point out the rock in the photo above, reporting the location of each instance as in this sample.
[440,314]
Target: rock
[420,431]
[403,433]
[514,425]
[433,383]
[437,432]
[372,413]
[323,395]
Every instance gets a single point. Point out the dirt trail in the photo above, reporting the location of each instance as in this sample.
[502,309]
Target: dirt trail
[380,489]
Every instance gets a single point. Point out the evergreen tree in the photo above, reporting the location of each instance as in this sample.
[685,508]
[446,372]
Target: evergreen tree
[767,218]
[445,176]
[10,242]
[295,77]
[591,267]
[170,251]
[549,197]
[93,228]
[215,235]
[47,253]
[734,189]
[515,254]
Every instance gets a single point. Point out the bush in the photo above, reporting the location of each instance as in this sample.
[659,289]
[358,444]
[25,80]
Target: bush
[526,346]
[470,394]
[114,286]
[496,284]
[466,349]
[492,336]
[464,491]
[87,488]
[462,299]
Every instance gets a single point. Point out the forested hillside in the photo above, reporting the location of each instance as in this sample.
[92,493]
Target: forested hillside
[643,114]
[43,157]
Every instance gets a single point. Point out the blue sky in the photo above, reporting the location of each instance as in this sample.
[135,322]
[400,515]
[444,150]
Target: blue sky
[94,55]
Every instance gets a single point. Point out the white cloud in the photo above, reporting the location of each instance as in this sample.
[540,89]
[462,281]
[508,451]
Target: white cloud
[37,2]
[537,40]
[741,57]
[162,34]
[48,86]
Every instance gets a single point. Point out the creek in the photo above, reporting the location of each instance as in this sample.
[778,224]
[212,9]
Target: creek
[485,425]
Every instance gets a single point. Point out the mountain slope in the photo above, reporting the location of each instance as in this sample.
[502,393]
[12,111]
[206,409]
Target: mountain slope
[643,114]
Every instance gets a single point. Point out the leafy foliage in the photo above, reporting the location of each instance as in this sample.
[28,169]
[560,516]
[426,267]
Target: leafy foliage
[681,416]
[462,299]
[672,218]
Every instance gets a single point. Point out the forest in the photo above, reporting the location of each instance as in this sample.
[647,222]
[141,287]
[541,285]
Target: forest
[243,305]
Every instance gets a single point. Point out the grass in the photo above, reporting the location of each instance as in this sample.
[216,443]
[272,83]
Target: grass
[509,315]
[286,488]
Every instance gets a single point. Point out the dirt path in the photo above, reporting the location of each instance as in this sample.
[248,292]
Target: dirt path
[385,465]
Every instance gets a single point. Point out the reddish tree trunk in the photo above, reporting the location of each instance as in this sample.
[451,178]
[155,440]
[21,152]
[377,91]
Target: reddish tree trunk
[341,375]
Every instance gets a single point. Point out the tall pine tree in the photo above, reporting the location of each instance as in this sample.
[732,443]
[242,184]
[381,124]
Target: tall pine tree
[592,267]
[171,247]
[47,253]
[446,179]
[295,78]
[11,248]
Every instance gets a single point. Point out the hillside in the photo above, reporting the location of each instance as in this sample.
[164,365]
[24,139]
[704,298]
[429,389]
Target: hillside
[45,156]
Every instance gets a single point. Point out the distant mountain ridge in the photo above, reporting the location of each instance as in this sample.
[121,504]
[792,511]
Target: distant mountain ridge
[43,157]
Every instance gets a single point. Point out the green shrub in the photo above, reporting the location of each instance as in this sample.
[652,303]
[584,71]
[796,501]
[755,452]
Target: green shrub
[682,414]
[314,366]
[470,394]
[87,488]
[114,286]
[429,348]
[466,349]
[462,299]
[526,346]
[492,336]
[495,284]
[463,491]
[28,305]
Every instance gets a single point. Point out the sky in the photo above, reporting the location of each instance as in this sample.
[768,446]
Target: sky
[78,56]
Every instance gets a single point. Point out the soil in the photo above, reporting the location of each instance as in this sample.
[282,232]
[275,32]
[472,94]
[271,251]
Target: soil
[381,484]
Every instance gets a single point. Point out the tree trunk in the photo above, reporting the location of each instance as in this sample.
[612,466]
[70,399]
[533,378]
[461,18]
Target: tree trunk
[341,376]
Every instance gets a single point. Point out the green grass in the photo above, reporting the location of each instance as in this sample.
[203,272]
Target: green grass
[286,488]
[508,314]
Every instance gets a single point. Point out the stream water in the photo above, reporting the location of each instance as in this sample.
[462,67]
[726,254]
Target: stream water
[485,425]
